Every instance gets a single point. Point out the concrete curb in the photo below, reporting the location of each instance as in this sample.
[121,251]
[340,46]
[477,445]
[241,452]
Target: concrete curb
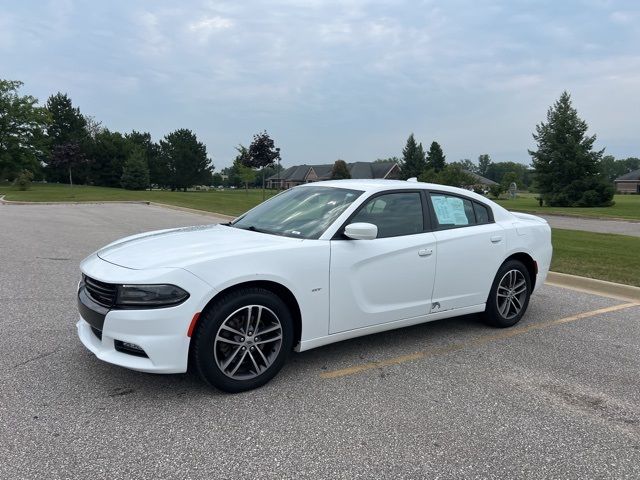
[130,202]
[597,287]
[88,202]
[191,210]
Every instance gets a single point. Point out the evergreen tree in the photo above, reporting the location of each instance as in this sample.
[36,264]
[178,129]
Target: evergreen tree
[108,152]
[186,158]
[484,162]
[67,132]
[135,173]
[158,168]
[567,169]
[413,159]
[340,170]
[435,157]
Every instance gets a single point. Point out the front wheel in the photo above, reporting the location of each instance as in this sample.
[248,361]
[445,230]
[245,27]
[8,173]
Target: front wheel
[509,296]
[243,340]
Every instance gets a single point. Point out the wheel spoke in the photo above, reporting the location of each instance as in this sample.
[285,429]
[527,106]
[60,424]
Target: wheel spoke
[520,290]
[269,340]
[227,340]
[230,359]
[232,330]
[258,320]
[268,330]
[253,360]
[518,307]
[264,359]
[235,369]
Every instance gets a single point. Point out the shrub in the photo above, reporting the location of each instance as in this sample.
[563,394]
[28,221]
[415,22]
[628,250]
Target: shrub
[23,180]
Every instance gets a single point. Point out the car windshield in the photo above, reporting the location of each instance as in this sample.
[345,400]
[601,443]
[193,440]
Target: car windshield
[302,212]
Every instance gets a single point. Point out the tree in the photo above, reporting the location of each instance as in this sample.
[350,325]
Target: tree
[135,173]
[68,128]
[262,153]
[186,158]
[435,157]
[484,161]
[108,152]
[67,157]
[395,160]
[247,174]
[158,167]
[413,159]
[340,170]
[22,126]
[567,169]
[451,174]
[466,164]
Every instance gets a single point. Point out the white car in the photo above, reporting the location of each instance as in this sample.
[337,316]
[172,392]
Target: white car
[316,264]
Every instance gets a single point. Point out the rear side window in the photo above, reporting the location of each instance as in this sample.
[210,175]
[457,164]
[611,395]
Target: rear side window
[452,211]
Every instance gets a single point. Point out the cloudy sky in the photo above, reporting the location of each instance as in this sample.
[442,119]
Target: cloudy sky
[335,79]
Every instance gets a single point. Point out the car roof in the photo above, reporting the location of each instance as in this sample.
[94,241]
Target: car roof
[367,185]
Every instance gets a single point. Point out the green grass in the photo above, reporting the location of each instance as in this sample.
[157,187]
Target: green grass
[604,256]
[229,202]
[627,206]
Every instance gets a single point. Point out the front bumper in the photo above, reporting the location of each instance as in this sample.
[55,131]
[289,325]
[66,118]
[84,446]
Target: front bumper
[161,333]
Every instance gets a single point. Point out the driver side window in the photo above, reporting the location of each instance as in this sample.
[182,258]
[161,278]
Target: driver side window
[394,214]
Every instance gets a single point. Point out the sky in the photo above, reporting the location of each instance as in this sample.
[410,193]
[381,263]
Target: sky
[347,79]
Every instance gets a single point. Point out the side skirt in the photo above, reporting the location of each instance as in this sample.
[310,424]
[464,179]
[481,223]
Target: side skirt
[359,332]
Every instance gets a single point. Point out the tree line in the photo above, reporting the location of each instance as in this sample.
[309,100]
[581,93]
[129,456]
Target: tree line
[58,143]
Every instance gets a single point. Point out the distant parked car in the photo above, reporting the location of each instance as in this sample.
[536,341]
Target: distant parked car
[316,264]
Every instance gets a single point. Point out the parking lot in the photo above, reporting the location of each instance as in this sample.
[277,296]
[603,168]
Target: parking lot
[557,396]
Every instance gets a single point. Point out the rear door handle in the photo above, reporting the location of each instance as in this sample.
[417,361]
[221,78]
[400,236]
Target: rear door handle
[496,239]
[425,252]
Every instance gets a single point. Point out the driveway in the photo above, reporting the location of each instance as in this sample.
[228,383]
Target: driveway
[619,227]
[557,396]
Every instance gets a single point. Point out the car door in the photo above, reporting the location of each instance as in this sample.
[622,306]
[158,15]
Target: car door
[471,248]
[390,277]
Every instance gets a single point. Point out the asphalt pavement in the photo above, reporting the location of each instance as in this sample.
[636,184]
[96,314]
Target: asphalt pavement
[599,225]
[557,396]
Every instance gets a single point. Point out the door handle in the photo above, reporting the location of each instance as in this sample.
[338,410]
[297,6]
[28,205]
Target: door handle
[496,239]
[425,252]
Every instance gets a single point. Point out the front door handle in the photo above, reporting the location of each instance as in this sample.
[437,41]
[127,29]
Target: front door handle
[425,252]
[496,239]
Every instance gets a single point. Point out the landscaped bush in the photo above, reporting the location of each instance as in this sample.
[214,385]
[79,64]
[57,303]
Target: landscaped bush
[23,181]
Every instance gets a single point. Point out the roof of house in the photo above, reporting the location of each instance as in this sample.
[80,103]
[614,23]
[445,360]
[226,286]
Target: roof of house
[634,175]
[480,178]
[358,170]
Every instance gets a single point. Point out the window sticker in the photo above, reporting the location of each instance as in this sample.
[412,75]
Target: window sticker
[449,210]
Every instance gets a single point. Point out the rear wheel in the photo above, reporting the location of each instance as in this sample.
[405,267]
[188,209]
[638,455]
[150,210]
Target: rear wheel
[509,296]
[243,340]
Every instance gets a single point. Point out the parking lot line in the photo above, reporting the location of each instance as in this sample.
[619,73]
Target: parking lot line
[512,332]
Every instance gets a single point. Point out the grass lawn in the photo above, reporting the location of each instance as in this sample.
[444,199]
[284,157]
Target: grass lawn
[597,255]
[627,206]
[229,202]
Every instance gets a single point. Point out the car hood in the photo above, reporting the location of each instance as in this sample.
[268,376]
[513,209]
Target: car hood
[182,247]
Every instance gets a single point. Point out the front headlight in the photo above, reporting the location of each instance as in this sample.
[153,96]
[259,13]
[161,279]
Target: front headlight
[149,296]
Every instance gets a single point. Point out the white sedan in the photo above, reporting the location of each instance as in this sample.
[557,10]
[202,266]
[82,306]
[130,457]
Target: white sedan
[316,264]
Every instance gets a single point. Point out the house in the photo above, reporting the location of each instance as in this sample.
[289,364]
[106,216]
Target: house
[629,182]
[300,174]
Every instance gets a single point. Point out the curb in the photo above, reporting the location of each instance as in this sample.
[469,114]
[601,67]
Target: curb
[125,202]
[191,210]
[597,287]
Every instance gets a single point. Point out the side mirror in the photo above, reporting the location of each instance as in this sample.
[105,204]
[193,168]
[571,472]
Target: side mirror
[361,231]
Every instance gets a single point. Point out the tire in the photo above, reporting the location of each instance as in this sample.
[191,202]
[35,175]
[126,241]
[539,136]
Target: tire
[509,296]
[227,351]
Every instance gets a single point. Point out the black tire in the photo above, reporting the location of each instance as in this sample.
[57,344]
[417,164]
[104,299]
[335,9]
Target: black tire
[494,313]
[212,341]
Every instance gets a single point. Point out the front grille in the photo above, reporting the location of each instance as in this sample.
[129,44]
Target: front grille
[100,292]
